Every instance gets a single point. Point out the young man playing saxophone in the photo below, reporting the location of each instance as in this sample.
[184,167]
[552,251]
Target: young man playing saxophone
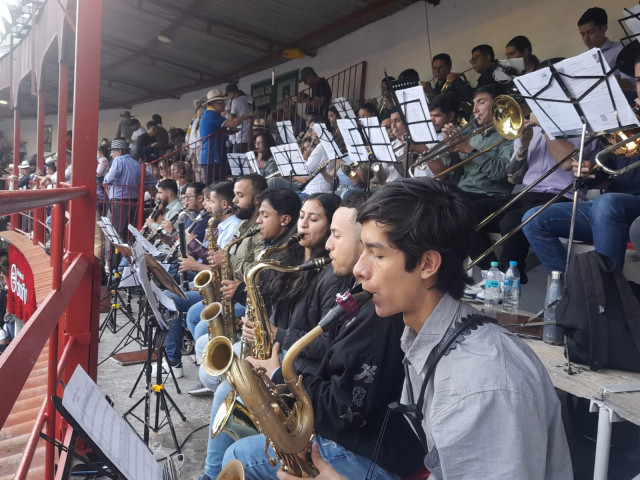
[350,387]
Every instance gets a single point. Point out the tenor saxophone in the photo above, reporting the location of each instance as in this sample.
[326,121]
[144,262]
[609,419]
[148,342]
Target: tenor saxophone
[288,430]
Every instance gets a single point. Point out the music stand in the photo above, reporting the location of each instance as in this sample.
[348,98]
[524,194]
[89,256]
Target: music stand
[562,100]
[358,144]
[116,283]
[289,158]
[285,129]
[630,24]
[155,322]
[115,444]
[146,244]
[344,108]
[239,164]
[411,103]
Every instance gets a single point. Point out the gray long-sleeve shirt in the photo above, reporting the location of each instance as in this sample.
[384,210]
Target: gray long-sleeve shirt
[490,409]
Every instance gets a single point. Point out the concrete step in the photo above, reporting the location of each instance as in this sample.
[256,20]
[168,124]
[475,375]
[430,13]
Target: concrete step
[24,416]
[10,463]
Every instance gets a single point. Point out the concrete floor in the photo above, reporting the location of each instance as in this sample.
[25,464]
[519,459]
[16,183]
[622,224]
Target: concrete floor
[116,381]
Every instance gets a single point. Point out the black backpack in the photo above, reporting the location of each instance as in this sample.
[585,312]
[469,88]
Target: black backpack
[600,314]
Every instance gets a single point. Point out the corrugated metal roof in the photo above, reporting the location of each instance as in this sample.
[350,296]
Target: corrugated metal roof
[212,41]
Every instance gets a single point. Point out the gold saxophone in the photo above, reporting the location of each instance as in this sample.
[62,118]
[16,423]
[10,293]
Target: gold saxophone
[256,311]
[288,430]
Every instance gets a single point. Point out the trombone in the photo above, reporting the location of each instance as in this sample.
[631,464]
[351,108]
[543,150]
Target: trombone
[508,121]
[628,146]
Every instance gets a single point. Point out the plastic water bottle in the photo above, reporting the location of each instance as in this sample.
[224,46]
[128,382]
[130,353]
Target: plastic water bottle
[511,288]
[552,333]
[492,287]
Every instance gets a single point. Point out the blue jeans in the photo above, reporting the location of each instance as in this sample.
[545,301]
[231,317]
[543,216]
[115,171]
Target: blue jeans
[250,451]
[604,221]
[216,446]
[174,337]
[193,318]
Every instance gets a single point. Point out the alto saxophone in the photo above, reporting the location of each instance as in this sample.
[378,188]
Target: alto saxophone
[256,311]
[288,430]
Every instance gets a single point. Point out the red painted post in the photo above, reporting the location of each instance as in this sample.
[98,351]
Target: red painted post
[80,311]
[39,214]
[16,158]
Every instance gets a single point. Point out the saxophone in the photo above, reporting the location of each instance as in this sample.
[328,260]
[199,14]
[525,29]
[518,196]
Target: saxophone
[256,311]
[288,430]
[221,315]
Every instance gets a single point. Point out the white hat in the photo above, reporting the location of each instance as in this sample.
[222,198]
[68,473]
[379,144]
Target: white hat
[214,95]
[24,164]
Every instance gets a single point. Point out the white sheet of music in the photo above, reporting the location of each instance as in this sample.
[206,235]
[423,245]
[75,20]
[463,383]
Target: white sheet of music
[285,129]
[379,138]
[238,163]
[353,140]
[562,118]
[109,231]
[416,110]
[633,24]
[143,278]
[115,437]
[516,63]
[168,302]
[251,158]
[148,247]
[326,139]
[289,160]
[344,108]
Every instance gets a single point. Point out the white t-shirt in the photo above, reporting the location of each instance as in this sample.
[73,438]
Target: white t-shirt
[318,184]
[240,106]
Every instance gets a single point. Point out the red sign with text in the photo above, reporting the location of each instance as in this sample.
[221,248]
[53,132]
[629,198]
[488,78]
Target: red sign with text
[21,296]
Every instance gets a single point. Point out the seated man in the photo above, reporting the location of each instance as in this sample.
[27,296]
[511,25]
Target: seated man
[520,47]
[484,181]
[592,26]
[604,221]
[350,388]
[443,110]
[483,61]
[457,86]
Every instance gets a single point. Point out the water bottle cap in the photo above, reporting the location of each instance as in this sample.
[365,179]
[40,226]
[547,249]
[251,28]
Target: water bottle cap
[513,263]
[556,275]
[494,264]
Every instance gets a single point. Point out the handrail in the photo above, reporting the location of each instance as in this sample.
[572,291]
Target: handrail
[13,202]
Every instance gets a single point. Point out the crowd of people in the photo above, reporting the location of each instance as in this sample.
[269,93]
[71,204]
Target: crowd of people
[490,409]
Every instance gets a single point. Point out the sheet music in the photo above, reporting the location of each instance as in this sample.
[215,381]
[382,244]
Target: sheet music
[289,160]
[633,24]
[251,158]
[562,118]
[128,278]
[416,110]
[114,437]
[379,138]
[344,108]
[164,300]
[499,74]
[110,232]
[238,164]
[326,139]
[285,129]
[353,140]
[145,283]
[148,247]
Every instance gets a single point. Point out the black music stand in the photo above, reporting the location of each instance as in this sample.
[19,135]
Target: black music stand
[239,164]
[359,144]
[91,417]
[285,130]
[156,321]
[572,94]
[330,148]
[288,156]
[344,108]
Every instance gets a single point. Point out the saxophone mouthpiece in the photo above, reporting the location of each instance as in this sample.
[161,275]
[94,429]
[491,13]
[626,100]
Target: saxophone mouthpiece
[349,305]
[315,263]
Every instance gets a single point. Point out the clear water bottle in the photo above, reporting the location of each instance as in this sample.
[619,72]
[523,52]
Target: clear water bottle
[492,287]
[552,334]
[511,288]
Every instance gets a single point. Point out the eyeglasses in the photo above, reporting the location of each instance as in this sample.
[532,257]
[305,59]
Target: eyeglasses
[189,196]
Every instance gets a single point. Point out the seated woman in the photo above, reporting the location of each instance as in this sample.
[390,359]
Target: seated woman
[267,166]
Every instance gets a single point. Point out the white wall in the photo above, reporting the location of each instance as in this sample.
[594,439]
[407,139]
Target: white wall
[400,41]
